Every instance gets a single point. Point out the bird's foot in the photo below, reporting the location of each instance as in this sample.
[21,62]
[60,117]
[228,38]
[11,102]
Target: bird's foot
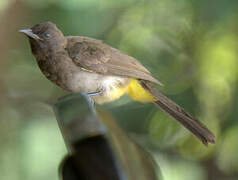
[94,93]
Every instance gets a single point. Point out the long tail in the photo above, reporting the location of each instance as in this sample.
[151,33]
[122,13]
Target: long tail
[178,113]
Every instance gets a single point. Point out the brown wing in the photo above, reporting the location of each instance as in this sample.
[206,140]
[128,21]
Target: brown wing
[96,56]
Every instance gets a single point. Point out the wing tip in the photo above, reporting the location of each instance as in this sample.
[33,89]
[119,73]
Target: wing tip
[158,82]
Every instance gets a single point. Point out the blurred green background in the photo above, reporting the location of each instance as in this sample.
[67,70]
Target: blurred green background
[191,46]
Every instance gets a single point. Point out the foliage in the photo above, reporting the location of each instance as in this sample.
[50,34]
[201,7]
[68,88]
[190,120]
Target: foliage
[191,46]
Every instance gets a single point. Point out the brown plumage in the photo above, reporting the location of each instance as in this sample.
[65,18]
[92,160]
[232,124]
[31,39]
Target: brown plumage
[78,63]
[98,57]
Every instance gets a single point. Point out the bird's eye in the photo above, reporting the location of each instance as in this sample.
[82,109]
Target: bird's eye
[47,35]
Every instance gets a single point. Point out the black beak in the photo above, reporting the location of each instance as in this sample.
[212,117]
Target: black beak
[30,34]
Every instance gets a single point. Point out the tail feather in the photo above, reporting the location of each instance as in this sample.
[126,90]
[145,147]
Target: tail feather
[178,113]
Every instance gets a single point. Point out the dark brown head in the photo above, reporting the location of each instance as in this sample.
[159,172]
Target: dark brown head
[45,38]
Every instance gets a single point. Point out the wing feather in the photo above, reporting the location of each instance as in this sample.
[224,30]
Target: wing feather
[93,55]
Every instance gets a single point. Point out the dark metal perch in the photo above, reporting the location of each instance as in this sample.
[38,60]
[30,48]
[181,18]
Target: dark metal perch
[98,148]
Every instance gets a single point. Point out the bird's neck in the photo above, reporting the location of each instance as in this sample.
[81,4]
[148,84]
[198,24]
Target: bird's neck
[47,50]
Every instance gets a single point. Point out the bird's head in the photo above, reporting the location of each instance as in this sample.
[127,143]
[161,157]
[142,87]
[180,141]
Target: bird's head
[45,37]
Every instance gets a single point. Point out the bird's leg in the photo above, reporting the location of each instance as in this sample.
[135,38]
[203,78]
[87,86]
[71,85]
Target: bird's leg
[92,103]
[90,100]
[94,93]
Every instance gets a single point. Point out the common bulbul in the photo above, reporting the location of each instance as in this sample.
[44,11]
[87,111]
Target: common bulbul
[83,64]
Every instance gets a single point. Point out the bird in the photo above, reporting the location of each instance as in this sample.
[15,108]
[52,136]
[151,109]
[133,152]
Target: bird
[83,64]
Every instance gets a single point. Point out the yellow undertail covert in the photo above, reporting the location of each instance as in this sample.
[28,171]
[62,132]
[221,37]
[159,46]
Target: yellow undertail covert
[134,90]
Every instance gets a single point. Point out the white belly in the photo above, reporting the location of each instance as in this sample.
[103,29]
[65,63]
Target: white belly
[88,82]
